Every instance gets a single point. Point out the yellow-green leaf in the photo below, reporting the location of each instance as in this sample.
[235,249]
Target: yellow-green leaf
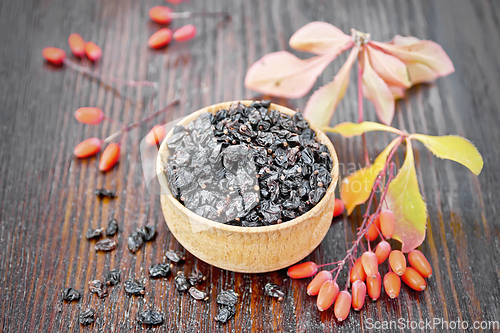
[453,148]
[405,201]
[349,129]
[356,188]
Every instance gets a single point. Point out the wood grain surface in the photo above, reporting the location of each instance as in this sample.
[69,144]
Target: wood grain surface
[47,201]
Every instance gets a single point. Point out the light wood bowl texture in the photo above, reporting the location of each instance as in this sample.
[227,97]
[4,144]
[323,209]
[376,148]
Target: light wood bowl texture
[247,249]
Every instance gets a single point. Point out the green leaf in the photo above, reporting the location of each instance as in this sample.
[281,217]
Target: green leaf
[350,130]
[405,201]
[453,148]
[356,188]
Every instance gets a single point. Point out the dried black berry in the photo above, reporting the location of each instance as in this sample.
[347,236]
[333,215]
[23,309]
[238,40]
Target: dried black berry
[135,241]
[159,271]
[227,297]
[198,294]
[105,245]
[70,294]
[112,227]
[99,288]
[113,277]
[273,290]
[134,287]
[86,317]
[175,256]
[101,193]
[181,283]
[196,277]
[225,313]
[150,318]
[148,232]
[93,233]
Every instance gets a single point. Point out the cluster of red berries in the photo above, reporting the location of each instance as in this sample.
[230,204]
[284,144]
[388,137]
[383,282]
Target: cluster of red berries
[364,275]
[111,155]
[78,46]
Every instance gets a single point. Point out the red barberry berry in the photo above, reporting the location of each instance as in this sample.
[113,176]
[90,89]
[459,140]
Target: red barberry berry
[373,230]
[370,263]
[420,263]
[316,283]
[413,279]
[392,284]
[303,270]
[87,148]
[54,55]
[185,33]
[156,135]
[387,223]
[175,2]
[161,14]
[327,295]
[358,295]
[161,38]
[338,208]
[374,286]
[109,157]
[76,44]
[357,271]
[382,251]
[397,261]
[342,305]
[89,115]
[93,51]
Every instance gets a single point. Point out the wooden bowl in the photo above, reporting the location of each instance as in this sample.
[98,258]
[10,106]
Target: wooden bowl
[247,249]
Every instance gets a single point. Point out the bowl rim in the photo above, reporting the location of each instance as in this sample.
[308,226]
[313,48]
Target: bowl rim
[163,154]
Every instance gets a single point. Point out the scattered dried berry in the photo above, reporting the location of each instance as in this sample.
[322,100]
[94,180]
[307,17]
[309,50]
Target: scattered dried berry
[76,44]
[227,297]
[105,245]
[87,148]
[54,55]
[135,242]
[134,287]
[99,288]
[89,115]
[248,166]
[113,277]
[225,313]
[150,318]
[273,290]
[160,39]
[86,317]
[175,256]
[198,294]
[93,233]
[147,232]
[109,157]
[196,277]
[185,33]
[93,51]
[159,271]
[101,193]
[70,294]
[181,283]
[112,227]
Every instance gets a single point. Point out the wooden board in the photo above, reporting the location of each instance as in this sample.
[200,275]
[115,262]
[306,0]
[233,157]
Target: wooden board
[47,200]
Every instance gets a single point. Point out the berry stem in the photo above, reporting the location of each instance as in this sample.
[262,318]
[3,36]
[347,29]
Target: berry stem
[182,15]
[360,109]
[110,79]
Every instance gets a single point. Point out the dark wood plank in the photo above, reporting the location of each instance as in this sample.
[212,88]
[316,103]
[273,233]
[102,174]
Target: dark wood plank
[47,200]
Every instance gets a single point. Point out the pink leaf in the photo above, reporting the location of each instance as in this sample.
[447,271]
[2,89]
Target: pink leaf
[377,91]
[401,40]
[320,38]
[283,74]
[424,52]
[397,92]
[321,106]
[389,68]
[421,73]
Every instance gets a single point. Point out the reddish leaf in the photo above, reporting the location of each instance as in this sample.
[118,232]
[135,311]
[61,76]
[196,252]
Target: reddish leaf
[283,74]
[405,201]
[390,69]
[377,91]
[320,38]
[322,104]
[397,92]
